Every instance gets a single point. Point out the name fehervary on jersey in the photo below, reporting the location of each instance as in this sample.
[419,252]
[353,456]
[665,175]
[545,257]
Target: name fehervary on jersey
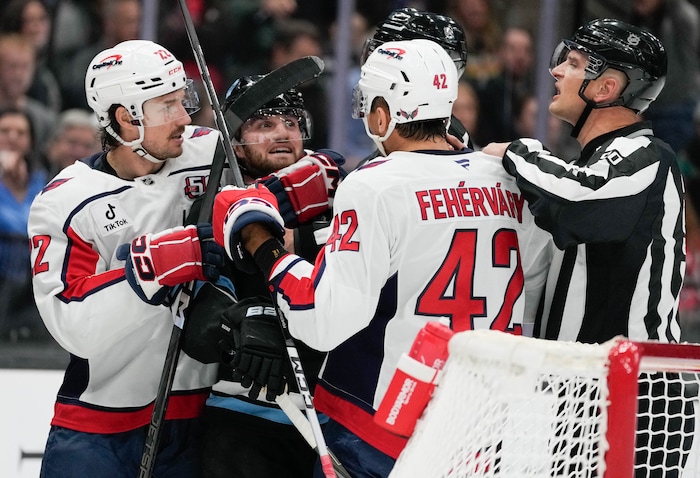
[466,201]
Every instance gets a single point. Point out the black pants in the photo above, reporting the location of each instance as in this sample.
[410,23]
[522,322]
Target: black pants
[236,445]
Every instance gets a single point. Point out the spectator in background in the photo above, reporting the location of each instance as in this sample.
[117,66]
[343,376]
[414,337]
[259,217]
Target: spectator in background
[20,181]
[75,136]
[689,160]
[121,21]
[677,24]
[357,144]
[212,21]
[466,109]
[31,19]
[253,25]
[503,92]
[557,137]
[483,34]
[75,24]
[17,65]
[295,39]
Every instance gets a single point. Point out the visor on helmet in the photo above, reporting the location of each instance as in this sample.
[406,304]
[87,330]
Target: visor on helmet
[275,125]
[171,107]
[360,108]
[595,64]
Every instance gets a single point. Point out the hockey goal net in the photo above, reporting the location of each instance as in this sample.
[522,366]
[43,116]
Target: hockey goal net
[517,407]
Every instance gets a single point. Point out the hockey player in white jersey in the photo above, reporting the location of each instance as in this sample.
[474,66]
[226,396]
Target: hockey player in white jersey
[422,233]
[111,314]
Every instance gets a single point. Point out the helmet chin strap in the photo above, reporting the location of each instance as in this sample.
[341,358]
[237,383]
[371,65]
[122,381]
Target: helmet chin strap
[376,138]
[135,145]
[590,105]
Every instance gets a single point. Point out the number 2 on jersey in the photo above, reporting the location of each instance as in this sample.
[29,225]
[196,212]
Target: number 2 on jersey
[458,272]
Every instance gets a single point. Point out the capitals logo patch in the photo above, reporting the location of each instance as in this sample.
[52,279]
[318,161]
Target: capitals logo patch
[410,115]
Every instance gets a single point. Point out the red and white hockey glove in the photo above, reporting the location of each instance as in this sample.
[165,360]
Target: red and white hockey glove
[157,262]
[306,188]
[235,208]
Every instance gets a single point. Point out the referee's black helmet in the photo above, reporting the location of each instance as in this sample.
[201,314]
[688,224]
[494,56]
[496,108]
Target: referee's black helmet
[611,43]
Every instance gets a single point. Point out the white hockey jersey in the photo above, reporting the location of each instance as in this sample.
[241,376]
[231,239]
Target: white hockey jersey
[416,236]
[117,342]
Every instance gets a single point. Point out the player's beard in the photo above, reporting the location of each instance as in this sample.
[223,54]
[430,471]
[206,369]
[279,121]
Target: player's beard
[258,164]
[165,149]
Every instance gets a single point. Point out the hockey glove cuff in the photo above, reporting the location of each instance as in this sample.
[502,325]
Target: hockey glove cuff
[306,188]
[157,262]
[235,208]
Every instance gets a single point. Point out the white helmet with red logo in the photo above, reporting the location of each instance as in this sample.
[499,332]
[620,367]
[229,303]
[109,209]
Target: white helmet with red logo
[417,78]
[129,74]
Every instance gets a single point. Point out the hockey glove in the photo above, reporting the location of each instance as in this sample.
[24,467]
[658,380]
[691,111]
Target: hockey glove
[251,334]
[157,262]
[200,334]
[306,188]
[235,208]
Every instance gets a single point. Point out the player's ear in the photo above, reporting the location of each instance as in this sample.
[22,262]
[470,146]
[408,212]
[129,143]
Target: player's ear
[610,86]
[382,118]
[123,117]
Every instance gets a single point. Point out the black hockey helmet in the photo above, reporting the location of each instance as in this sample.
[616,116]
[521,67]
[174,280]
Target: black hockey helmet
[290,103]
[411,24]
[610,43]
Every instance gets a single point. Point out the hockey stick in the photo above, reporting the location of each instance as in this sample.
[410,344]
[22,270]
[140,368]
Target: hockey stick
[213,99]
[304,427]
[293,354]
[270,86]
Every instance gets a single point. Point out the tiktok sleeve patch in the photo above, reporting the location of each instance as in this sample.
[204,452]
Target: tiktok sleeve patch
[110,216]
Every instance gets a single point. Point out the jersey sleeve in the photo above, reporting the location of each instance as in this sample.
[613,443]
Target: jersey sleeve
[331,300]
[601,201]
[83,297]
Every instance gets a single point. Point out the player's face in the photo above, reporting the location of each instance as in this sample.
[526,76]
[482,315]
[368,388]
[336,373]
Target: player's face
[270,143]
[569,74]
[164,121]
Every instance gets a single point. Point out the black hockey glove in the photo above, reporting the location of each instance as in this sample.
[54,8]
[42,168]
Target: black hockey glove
[200,334]
[252,336]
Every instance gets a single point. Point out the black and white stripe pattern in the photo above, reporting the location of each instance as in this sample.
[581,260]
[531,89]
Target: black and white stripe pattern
[616,217]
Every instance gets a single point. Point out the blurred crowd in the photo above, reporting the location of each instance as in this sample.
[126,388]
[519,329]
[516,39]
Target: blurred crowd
[45,123]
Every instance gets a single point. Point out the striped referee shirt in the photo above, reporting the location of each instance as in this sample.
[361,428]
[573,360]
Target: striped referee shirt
[616,219]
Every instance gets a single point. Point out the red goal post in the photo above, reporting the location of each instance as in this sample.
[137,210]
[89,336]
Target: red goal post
[515,407]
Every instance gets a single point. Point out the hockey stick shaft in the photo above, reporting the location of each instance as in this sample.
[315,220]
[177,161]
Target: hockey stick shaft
[213,99]
[304,427]
[295,361]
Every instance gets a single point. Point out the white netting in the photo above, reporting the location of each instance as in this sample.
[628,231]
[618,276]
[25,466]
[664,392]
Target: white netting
[518,407]
[666,426]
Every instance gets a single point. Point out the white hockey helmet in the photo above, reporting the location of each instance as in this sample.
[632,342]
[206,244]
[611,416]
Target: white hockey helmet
[129,74]
[416,78]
